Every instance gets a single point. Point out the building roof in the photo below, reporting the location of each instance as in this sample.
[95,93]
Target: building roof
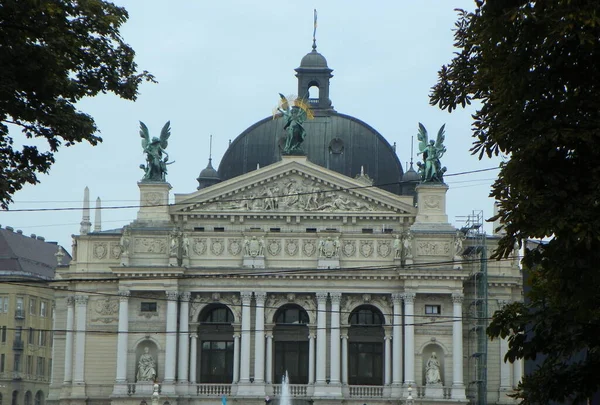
[29,255]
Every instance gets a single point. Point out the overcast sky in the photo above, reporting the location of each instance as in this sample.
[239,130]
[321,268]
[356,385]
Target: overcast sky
[220,67]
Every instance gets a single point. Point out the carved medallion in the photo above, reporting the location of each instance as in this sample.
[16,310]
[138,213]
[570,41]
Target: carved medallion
[100,250]
[152,198]
[274,247]
[384,248]
[217,246]
[432,201]
[291,247]
[107,306]
[115,250]
[199,246]
[366,248]
[309,247]
[349,248]
[235,247]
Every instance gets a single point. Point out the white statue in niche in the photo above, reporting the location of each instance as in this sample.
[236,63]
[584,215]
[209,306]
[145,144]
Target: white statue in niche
[397,247]
[146,366]
[432,370]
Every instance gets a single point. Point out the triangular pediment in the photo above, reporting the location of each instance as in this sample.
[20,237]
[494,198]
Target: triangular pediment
[292,186]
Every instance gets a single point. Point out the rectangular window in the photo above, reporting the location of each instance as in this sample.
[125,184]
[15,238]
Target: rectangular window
[2,362]
[275,229]
[42,338]
[41,366]
[199,229]
[311,230]
[29,365]
[433,309]
[388,230]
[4,304]
[49,368]
[367,230]
[219,229]
[18,333]
[19,310]
[17,362]
[30,338]
[43,308]
[32,306]
[148,307]
[3,337]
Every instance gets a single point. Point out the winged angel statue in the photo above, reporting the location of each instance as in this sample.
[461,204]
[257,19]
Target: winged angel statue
[294,118]
[157,158]
[431,169]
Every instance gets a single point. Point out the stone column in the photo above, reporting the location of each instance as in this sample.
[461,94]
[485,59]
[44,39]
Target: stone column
[236,358]
[517,372]
[259,338]
[193,357]
[122,339]
[311,357]
[245,343]
[68,377]
[80,327]
[184,338]
[321,336]
[269,360]
[458,387]
[53,354]
[409,330]
[397,340]
[387,380]
[345,357]
[334,361]
[171,338]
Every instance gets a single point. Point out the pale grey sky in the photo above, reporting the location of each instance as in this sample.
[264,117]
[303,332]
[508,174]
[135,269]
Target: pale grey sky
[220,67]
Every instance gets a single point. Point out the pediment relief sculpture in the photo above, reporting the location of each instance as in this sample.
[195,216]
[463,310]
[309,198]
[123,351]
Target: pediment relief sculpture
[294,193]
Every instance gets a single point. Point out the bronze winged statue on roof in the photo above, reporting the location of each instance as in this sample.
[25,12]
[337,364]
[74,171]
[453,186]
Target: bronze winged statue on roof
[157,158]
[431,169]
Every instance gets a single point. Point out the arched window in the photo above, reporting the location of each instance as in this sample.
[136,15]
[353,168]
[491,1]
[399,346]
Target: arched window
[39,398]
[216,344]
[291,344]
[0,398]
[28,398]
[365,346]
[15,398]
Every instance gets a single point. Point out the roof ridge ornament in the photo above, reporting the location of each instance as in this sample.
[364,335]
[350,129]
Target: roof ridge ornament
[314,45]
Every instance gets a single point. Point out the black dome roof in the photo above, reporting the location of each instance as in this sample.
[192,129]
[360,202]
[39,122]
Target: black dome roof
[335,141]
[313,60]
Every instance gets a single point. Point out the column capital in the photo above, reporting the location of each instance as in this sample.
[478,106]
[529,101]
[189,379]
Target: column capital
[70,301]
[246,297]
[321,297]
[81,299]
[269,335]
[124,295]
[344,336]
[409,297]
[172,295]
[336,297]
[193,336]
[236,335]
[457,298]
[503,303]
[185,296]
[397,298]
[260,297]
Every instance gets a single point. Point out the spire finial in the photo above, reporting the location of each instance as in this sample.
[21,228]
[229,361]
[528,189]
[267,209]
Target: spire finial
[314,46]
[85,218]
[210,150]
[412,141]
[98,216]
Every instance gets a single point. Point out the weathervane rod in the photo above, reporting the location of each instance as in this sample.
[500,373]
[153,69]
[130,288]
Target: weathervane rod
[210,148]
[314,47]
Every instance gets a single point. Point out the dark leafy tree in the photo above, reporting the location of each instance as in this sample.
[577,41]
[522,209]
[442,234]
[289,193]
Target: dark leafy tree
[53,53]
[532,69]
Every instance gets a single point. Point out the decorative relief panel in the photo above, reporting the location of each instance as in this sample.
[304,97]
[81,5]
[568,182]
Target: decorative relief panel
[366,248]
[432,202]
[100,250]
[309,248]
[235,247]
[384,248]
[274,246]
[348,248]
[295,193]
[115,250]
[426,248]
[291,247]
[217,246]
[150,245]
[151,198]
[199,246]
[105,310]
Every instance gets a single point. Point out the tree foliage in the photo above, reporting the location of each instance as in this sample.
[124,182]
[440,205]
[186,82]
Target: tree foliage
[53,53]
[532,67]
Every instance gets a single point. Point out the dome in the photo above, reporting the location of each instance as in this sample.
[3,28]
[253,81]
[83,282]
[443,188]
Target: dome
[335,141]
[411,175]
[313,60]
[208,176]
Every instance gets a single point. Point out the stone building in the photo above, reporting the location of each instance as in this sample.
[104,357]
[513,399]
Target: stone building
[27,264]
[318,266]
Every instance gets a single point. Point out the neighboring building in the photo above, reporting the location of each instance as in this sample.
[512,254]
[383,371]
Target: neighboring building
[294,264]
[27,263]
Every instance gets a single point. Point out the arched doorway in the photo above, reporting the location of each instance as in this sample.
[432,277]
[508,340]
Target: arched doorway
[365,346]
[216,344]
[28,398]
[15,398]
[290,336]
[39,398]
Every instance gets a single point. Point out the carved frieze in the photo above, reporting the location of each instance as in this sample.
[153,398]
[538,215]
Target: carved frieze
[295,193]
[291,247]
[366,248]
[105,310]
[217,245]
[433,248]
[150,245]
[199,246]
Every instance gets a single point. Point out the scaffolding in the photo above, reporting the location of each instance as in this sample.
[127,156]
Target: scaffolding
[476,291]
